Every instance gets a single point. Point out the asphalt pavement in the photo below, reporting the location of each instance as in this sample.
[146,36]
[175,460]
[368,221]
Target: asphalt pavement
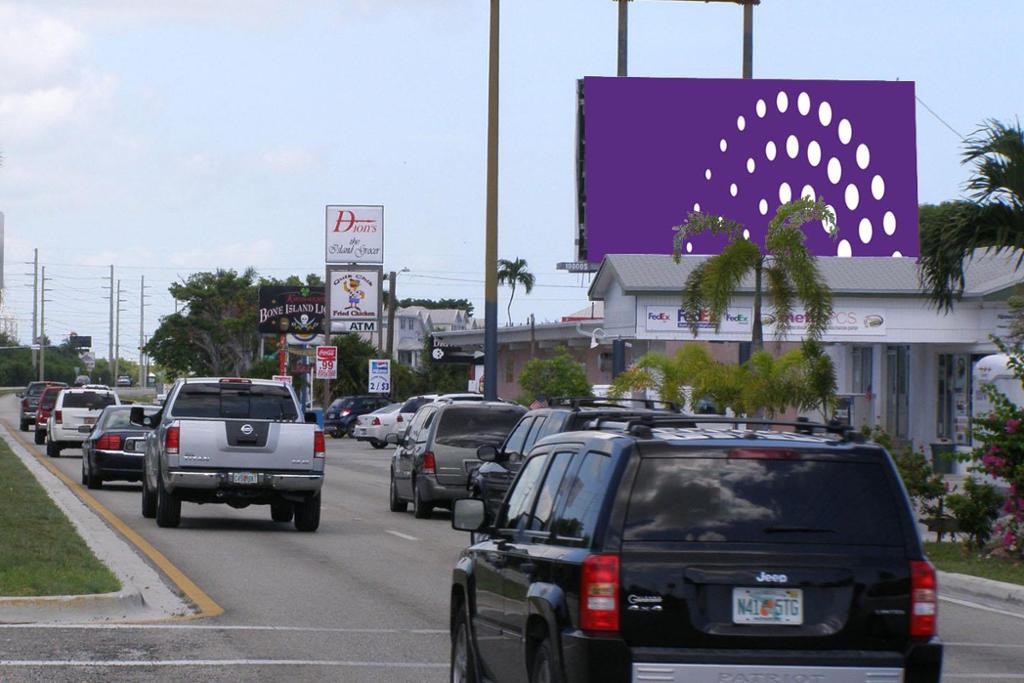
[363,599]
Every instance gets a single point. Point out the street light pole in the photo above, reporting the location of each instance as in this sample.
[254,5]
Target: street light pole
[748,40]
[491,244]
[623,37]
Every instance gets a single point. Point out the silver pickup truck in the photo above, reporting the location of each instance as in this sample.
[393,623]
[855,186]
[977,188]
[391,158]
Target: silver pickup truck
[236,441]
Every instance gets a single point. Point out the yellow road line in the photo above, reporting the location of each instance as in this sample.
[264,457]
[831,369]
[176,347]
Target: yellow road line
[207,607]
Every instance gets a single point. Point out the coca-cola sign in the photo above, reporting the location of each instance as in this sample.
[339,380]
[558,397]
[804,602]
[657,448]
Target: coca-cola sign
[355,234]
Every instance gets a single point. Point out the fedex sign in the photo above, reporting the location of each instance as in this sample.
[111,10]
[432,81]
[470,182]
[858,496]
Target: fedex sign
[675,318]
[355,234]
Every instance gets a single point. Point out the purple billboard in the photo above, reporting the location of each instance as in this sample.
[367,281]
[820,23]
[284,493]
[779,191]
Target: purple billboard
[657,148]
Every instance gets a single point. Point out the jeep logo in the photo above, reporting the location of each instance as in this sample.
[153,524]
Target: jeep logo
[247,429]
[771,578]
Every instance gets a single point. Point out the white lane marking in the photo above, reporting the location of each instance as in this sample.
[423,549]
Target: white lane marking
[216,662]
[983,608]
[214,627]
[1008,646]
[401,535]
[986,677]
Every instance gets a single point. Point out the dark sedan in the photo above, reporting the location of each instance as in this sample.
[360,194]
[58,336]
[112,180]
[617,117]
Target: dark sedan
[115,447]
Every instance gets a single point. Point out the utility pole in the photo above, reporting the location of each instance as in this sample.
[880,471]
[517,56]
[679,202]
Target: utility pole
[491,242]
[392,305]
[35,307]
[42,328]
[110,346]
[748,40]
[117,336]
[142,331]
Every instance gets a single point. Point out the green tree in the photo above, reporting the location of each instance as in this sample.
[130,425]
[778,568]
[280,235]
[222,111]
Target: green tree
[785,270]
[992,218]
[461,304]
[514,273]
[560,375]
[215,332]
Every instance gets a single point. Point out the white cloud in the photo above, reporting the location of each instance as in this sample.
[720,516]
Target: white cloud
[289,158]
[261,252]
[34,47]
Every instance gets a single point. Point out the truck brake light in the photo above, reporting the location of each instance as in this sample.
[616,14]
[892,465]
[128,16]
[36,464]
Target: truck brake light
[319,448]
[429,467]
[172,440]
[58,417]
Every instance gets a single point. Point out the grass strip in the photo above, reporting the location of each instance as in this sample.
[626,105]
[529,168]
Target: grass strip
[41,553]
[954,557]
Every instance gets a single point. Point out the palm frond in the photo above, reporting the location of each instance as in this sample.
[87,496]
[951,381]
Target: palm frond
[724,273]
[697,223]
[693,296]
[997,152]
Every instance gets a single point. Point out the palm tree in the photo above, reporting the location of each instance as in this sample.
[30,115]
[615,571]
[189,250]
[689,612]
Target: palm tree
[785,271]
[514,273]
[993,219]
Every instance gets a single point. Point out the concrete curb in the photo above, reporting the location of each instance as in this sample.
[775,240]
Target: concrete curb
[63,609]
[984,588]
[144,595]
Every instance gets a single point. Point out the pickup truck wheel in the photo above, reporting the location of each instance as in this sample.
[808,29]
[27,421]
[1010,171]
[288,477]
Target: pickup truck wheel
[421,509]
[544,669]
[307,513]
[52,449]
[39,437]
[148,499]
[168,506]
[395,503]
[282,512]
[92,480]
[23,425]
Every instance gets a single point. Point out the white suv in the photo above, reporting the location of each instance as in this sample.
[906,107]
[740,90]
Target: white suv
[76,407]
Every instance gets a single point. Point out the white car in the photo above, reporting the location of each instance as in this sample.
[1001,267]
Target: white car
[375,427]
[74,414]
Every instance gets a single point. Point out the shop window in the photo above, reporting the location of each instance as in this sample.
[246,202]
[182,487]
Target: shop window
[863,368]
[897,403]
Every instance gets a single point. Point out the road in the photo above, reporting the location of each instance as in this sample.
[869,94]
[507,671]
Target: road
[363,599]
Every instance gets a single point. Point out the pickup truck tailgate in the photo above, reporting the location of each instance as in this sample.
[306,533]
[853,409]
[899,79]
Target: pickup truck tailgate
[249,444]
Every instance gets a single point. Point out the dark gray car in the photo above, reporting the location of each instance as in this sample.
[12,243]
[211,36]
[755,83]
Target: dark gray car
[430,466]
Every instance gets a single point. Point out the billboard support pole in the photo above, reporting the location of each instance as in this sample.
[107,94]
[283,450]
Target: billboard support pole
[491,249]
[282,340]
[748,40]
[623,37]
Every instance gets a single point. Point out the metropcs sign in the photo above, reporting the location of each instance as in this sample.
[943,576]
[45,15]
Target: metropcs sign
[845,321]
[355,234]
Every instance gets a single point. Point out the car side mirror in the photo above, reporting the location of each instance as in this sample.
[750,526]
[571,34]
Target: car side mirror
[85,429]
[469,514]
[138,417]
[310,417]
[487,453]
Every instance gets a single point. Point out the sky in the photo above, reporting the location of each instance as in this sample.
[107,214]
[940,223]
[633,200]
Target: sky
[168,137]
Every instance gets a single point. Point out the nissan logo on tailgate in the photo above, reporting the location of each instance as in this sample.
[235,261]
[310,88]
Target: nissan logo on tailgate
[247,429]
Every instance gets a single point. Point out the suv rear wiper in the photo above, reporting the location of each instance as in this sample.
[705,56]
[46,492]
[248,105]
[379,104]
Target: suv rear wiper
[796,530]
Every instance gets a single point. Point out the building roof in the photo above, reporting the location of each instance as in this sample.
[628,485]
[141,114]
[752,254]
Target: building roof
[862,276]
[439,316]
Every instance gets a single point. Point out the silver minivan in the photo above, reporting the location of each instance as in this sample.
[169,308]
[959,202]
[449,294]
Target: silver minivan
[431,464]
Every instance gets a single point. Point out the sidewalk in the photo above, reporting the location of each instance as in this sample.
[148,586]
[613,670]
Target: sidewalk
[144,595]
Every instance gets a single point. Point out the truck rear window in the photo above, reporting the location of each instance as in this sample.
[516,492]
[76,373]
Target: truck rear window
[88,399]
[235,401]
[807,500]
[472,426]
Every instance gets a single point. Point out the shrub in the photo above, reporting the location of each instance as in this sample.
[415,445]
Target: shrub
[975,510]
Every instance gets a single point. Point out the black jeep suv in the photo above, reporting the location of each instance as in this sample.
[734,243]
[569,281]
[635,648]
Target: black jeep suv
[656,552]
[491,480]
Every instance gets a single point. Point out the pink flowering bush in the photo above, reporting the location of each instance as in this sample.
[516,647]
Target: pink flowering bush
[1001,455]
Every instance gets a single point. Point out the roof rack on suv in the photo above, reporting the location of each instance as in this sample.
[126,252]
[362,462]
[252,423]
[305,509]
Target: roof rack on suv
[642,425]
[604,402]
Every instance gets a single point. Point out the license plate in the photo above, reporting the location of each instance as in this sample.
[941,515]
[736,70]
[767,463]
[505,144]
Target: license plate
[782,606]
[244,478]
[89,420]
[361,431]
